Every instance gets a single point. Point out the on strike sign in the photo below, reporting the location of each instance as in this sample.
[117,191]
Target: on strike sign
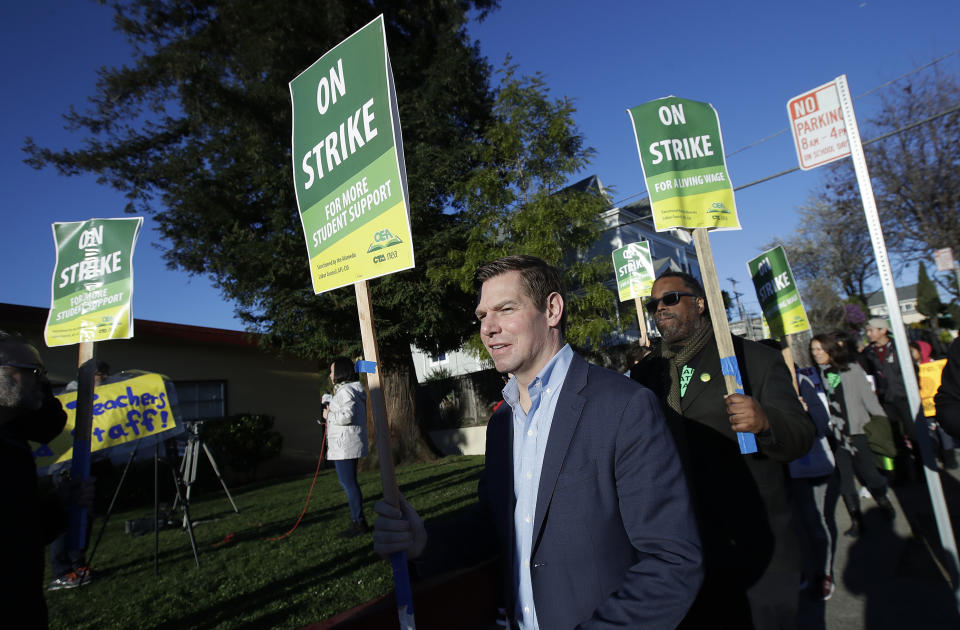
[819,133]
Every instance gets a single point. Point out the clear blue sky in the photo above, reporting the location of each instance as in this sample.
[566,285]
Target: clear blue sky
[747,58]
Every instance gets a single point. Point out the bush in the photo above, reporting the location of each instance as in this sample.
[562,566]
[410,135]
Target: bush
[243,441]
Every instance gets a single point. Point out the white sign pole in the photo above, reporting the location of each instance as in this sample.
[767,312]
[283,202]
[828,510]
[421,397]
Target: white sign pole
[893,308]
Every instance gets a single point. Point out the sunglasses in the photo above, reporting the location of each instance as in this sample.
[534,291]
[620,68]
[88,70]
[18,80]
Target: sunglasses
[670,298]
[36,370]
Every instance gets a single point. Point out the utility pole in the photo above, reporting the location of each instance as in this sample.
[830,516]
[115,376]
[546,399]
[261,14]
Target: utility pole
[736,296]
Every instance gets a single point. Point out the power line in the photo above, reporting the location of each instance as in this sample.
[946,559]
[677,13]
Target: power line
[782,131]
[867,93]
[903,129]
[867,143]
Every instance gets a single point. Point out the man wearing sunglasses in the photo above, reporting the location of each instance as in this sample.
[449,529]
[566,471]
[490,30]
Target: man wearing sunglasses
[749,545]
[28,411]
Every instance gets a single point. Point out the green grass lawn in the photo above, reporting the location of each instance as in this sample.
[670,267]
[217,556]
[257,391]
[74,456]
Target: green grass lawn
[244,580]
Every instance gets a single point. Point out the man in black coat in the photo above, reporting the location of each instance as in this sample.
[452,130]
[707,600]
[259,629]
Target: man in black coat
[879,360]
[750,548]
[28,411]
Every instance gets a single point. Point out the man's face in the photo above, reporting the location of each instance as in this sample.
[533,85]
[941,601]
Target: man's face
[680,321]
[20,387]
[520,337]
[331,372]
[876,335]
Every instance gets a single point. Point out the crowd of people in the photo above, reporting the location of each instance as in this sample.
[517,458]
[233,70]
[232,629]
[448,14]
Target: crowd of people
[610,501]
[630,504]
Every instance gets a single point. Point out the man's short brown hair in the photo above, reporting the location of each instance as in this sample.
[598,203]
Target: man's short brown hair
[539,280]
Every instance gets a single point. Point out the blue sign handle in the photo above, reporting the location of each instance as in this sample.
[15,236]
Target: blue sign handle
[401,587]
[80,471]
[365,367]
[747,441]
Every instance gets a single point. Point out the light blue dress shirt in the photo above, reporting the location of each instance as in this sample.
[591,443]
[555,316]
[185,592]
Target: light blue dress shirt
[530,433]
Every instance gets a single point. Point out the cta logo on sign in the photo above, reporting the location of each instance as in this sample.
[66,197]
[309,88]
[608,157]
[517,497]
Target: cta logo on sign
[382,240]
[819,131]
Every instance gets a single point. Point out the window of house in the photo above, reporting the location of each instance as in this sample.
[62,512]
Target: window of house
[202,399]
[438,359]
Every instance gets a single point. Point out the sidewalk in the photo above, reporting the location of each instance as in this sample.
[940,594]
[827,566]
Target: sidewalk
[892,576]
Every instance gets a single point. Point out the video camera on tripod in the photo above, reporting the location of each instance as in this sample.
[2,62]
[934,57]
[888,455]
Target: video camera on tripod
[140,402]
[190,459]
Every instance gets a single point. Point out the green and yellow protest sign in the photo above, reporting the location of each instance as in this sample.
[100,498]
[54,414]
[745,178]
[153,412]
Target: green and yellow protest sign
[348,166]
[681,154]
[92,281]
[634,268]
[777,293]
[123,412]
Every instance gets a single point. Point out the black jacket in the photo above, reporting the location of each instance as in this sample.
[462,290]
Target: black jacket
[741,500]
[29,521]
[886,374]
[947,399]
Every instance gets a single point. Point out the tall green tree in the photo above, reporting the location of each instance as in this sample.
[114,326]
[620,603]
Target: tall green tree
[928,299]
[196,132]
[516,201]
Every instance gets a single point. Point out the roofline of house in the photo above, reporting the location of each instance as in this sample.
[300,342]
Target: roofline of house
[35,315]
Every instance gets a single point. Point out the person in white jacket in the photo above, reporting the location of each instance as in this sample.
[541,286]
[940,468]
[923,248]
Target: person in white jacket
[346,418]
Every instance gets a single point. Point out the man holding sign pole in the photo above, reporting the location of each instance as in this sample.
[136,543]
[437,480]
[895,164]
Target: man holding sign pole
[28,411]
[583,489]
[750,549]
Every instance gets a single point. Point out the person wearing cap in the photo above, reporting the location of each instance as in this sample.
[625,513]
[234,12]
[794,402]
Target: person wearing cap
[879,360]
[346,418]
[28,412]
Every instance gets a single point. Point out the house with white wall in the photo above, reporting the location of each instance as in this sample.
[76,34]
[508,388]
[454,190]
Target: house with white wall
[907,298]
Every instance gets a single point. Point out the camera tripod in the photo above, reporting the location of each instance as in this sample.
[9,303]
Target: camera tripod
[188,468]
[170,456]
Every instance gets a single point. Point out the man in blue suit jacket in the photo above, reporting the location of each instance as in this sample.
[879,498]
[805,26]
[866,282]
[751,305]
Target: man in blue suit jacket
[583,486]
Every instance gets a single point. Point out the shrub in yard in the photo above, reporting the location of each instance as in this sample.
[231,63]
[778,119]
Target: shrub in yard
[243,441]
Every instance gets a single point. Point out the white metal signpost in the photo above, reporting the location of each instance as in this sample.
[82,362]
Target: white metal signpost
[813,121]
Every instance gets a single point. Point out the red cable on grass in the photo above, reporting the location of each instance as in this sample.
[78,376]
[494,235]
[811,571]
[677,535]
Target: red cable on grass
[309,494]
